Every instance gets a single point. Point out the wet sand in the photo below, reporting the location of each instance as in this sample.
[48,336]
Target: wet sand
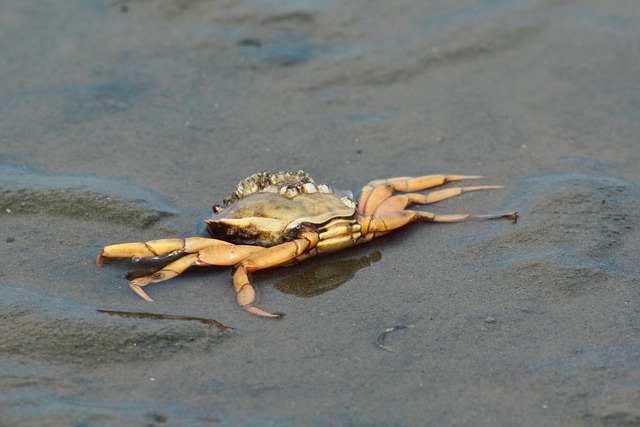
[126,120]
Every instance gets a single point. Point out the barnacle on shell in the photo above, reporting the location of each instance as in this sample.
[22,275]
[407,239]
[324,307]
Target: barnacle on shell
[286,183]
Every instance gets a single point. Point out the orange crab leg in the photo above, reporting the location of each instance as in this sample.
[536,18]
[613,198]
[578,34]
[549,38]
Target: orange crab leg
[223,255]
[269,257]
[153,248]
[371,197]
[166,273]
[406,184]
[401,201]
[247,258]
[389,221]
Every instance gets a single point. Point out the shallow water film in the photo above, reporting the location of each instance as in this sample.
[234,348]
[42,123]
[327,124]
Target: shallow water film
[126,120]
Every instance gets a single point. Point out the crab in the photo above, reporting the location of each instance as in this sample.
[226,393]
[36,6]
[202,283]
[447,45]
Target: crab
[281,218]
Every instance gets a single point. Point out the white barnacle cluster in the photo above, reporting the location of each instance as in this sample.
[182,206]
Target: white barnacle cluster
[286,183]
[348,200]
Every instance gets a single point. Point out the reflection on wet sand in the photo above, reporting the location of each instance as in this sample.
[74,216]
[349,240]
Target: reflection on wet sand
[325,276]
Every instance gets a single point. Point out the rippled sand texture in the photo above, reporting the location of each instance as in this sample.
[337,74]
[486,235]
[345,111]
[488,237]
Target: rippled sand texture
[127,120]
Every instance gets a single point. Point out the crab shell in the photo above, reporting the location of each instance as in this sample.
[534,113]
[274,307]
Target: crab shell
[269,208]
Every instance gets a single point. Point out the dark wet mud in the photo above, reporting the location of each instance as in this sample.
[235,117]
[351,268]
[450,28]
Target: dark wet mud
[24,191]
[127,120]
[58,330]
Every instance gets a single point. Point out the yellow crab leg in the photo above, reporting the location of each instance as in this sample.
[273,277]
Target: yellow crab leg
[406,184]
[371,197]
[166,273]
[401,201]
[223,255]
[153,248]
[389,221]
[269,257]
[246,294]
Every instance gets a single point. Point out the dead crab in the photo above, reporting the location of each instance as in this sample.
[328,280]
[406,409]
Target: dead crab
[280,218]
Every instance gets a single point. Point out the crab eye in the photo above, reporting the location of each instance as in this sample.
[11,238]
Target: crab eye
[216,208]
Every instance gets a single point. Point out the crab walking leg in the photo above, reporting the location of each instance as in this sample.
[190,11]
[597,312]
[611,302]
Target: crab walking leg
[419,183]
[382,224]
[246,294]
[166,273]
[269,257]
[401,201]
[371,197]
[223,255]
[154,248]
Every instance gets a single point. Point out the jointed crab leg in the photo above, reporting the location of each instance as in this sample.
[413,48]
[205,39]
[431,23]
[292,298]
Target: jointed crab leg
[246,258]
[379,225]
[166,273]
[202,252]
[377,191]
[220,255]
[408,183]
[385,211]
[269,257]
[401,201]
[154,248]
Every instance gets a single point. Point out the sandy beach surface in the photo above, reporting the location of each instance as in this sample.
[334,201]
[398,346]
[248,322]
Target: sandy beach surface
[126,120]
